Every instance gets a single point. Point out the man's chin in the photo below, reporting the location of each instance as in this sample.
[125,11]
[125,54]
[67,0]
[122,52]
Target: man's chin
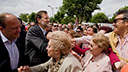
[115,31]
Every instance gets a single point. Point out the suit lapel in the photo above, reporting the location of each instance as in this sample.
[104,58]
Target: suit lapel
[41,33]
[3,50]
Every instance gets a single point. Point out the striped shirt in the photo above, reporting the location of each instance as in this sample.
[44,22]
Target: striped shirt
[123,49]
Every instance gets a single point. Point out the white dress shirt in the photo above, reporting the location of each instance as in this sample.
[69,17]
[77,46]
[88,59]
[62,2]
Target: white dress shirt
[12,51]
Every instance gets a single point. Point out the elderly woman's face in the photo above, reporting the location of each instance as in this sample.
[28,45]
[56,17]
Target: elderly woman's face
[51,51]
[94,49]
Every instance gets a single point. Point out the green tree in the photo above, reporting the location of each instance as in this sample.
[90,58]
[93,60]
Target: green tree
[123,8]
[32,17]
[62,18]
[59,17]
[24,17]
[99,18]
[82,9]
[68,19]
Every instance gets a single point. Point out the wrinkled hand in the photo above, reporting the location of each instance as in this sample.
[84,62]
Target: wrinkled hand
[24,69]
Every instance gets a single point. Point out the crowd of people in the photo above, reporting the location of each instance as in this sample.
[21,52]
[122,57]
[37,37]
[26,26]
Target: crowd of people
[54,47]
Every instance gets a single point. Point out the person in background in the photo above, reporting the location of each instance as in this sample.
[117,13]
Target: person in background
[11,52]
[70,26]
[21,41]
[60,28]
[66,30]
[62,60]
[64,26]
[104,29]
[85,32]
[29,25]
[36,41]
[22,36]
[32,23]
[79,30]
[91,30]
[55,27]
[71,33]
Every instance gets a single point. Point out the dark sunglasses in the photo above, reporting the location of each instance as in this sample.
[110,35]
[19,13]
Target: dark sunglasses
[55,25]
[78,31]
[115,20]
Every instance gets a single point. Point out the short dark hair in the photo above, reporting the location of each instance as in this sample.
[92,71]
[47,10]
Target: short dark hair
[39,15]
[124,12]
[20,20]
[79,27]
[94,28]
[2,20]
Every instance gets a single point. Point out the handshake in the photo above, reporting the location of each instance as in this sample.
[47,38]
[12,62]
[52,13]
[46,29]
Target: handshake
[24,69]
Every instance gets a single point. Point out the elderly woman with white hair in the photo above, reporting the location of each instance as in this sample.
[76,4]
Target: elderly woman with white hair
[59,47]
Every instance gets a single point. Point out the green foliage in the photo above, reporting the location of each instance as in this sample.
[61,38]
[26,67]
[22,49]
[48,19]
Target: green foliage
[62,18]
[99,18]
[68,19]
[82,9]
[28,17]
[32,17]
[24,16]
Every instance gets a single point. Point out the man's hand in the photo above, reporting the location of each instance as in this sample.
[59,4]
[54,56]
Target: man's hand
[24,69]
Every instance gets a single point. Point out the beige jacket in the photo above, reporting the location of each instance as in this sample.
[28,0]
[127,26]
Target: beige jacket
[113,41]
[70,64]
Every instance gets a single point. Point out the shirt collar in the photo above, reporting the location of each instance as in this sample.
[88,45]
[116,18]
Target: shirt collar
[125,37]
[4,39]
[42,30]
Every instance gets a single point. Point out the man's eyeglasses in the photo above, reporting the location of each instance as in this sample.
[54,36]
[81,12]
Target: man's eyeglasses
[55,25]
[115,20]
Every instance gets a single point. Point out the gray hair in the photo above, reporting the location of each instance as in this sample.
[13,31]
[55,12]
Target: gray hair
[61,41]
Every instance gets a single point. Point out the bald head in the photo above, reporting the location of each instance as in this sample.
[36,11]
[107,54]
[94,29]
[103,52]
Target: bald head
[5,17]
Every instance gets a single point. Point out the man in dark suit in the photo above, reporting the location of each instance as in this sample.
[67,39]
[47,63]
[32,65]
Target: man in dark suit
[36,41]
[11,56]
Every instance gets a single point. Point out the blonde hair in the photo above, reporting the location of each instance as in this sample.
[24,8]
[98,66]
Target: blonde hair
[61,41]
[101,40]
